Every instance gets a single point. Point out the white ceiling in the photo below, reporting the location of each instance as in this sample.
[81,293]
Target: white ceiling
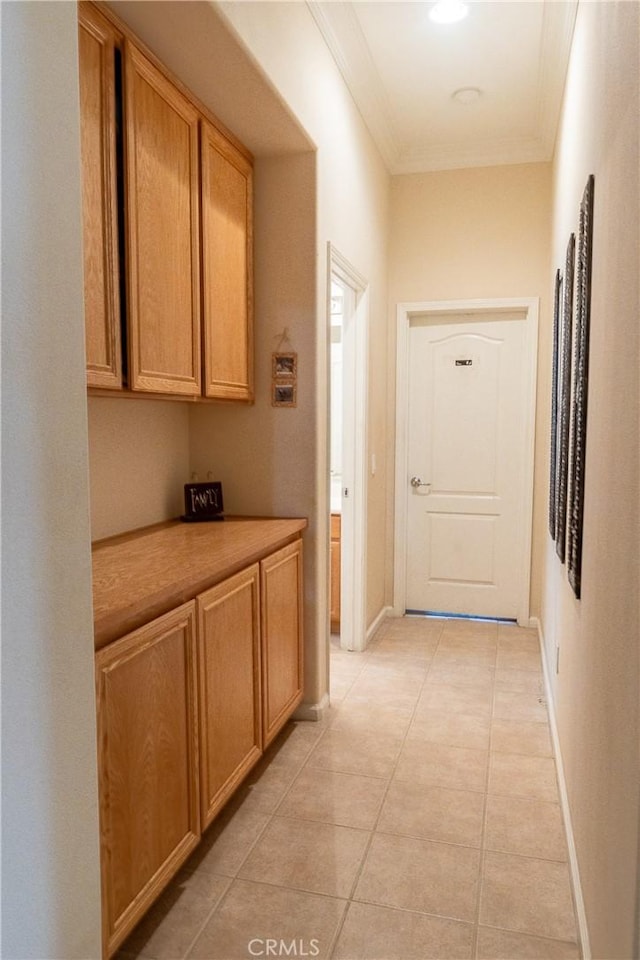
[402,70]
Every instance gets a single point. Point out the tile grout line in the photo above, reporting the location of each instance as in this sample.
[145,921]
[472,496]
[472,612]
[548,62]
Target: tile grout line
[302,764]
[520,856]
[270,816]
[485,812]
[473,924]
[365,854]
[336,936]
[208,918]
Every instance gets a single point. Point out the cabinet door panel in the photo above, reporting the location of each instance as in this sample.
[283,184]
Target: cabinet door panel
[229,660]
[282,650]
[163,231]
[97,41]
[227,217]
[148,765]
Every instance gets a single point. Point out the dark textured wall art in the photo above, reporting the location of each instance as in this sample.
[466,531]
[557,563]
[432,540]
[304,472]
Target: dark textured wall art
[580,388]
[553,460]
[565,400]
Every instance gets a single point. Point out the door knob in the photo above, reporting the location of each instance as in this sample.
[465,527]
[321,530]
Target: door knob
[417,482]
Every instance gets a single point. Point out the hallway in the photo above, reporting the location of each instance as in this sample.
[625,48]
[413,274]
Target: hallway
[420,820]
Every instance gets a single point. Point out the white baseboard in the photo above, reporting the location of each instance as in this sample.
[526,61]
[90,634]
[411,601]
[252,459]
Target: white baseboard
[371,629]
[312,711]
[581,915]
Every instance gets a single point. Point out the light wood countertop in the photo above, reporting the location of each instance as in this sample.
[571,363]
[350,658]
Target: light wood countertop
[140,575]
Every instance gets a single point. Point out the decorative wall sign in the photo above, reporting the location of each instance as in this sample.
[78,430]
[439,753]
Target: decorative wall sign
[565,400]
[284,366]
[553,460]
[202,501]
[283,395]
[580,387]
[284,375]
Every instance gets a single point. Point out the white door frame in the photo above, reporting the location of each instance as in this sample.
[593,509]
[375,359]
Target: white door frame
[353,536]
[405,312]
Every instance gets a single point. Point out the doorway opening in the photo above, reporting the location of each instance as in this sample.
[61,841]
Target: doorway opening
[466,380]
[347,298]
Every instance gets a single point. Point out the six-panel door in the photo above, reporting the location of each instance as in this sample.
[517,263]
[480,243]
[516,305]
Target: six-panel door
[229,668]
[148,765]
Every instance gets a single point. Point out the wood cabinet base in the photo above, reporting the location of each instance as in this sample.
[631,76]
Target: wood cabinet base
[229,668]
[188,702]
[148,766]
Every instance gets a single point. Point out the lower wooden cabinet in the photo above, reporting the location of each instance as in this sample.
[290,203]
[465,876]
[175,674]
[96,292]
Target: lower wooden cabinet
[229,674]
[186,705]
[282,654]
[148,765]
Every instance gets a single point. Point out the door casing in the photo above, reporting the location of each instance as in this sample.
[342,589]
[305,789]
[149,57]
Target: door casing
[354,528]
[405,312]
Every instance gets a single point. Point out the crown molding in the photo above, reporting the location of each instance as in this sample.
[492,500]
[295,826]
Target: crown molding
[488,153]
[343,35]
[338,23]
[557,36]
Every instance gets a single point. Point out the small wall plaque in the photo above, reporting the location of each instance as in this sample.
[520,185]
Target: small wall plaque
[284,366]
[202,501]
[284,377]
[283,394]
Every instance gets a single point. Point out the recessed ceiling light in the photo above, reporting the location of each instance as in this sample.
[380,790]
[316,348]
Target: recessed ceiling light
[448,11]
[466,95]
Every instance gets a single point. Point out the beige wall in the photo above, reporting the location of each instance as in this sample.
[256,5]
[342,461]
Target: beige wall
[351,212]
[479,233]
[597,686]
[139,459]
[50,867]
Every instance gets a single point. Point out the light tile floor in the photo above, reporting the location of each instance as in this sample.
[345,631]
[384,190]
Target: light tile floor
[419,820]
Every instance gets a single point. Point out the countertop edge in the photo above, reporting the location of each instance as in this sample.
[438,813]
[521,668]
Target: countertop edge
[118,621]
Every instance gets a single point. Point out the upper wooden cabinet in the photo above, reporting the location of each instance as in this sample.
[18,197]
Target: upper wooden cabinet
[227,244]
[153,159]
[163,231]
[97,44]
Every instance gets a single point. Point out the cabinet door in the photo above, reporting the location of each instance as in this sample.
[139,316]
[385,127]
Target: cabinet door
[148,765]
[227,264]
[163,231]
[229,662]
[282,650]
[97,41]
[335,571]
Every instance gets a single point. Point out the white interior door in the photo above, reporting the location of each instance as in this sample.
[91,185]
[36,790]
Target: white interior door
[468,416]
